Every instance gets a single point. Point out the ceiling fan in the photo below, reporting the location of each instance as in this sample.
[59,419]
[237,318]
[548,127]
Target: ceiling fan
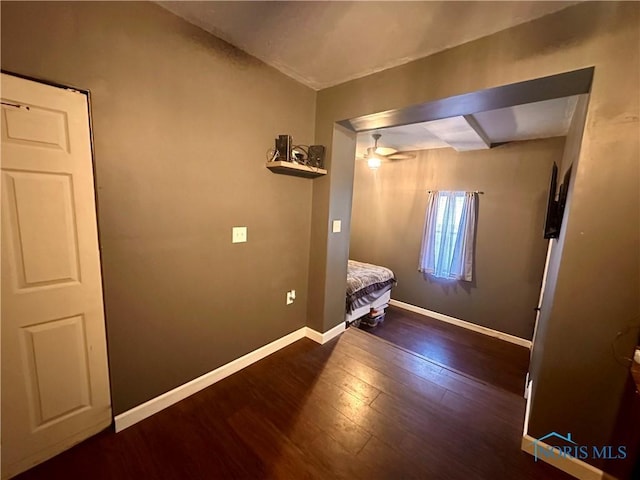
[375,154]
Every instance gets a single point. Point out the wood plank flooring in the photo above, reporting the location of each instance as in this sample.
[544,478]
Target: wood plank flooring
[485,358]
[354,408]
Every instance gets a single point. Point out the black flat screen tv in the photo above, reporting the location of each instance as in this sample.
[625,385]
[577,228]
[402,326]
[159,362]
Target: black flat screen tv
[551,227]
[555,207]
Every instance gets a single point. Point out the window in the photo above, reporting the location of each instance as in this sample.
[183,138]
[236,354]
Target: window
[449,235]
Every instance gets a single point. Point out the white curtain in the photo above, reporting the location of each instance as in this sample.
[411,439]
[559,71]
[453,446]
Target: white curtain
[448,239]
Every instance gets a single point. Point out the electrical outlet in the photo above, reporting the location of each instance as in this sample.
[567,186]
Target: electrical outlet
[238,234]
[291,296]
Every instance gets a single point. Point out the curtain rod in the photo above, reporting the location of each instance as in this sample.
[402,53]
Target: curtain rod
[474,191]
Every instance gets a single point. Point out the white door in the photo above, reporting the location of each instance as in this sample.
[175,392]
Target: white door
[55,382]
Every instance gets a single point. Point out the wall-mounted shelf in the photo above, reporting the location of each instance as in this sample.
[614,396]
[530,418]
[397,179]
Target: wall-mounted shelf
[290,168]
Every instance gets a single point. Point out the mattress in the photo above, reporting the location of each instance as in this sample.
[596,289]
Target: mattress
[366,280]
[380,302]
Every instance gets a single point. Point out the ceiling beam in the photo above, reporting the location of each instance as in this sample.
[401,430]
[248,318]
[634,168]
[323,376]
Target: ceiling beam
[546,88]
[461,133]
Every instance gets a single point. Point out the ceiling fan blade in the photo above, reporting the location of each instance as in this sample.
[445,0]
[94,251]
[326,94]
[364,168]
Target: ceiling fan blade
[401,156]
[385,151]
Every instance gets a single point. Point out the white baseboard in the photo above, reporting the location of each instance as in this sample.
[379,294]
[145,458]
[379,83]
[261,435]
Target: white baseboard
[573,466]
[323,338]
[462,323]
[142,411]
[527,408]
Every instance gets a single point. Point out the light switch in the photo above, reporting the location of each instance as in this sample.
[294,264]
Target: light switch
[337,226]
[239,235]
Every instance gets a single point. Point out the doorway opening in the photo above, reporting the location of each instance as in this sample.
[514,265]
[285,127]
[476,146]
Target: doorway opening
[500,145]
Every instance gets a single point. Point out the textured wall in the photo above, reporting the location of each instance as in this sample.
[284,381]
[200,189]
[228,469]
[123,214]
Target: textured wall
[388,219]
[182,123]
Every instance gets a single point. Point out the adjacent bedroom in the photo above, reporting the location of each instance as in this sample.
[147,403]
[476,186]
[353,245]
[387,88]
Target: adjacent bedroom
[450,229]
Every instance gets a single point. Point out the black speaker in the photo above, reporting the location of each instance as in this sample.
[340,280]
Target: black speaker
[316,156]
[283,146]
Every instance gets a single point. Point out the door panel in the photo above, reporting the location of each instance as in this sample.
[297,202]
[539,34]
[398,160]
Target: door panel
[57,373]
[38,127]
[42,220]
[55,387]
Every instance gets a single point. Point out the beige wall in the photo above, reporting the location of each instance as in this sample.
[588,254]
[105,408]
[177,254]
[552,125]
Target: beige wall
[579,383]
[388,219]
[182,123]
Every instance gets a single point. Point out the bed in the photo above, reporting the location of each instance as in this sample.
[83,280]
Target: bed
[368,292]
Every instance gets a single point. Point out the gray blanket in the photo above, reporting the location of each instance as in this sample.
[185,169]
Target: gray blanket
[364,278]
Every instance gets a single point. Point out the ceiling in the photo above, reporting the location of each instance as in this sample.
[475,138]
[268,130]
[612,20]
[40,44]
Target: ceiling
[322,44]
[550,118]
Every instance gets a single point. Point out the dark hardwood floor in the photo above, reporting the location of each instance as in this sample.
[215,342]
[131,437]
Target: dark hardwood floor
[354,408]
[485,358]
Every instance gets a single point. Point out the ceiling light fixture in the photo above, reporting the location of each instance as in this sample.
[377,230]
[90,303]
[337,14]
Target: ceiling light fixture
[374,162]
